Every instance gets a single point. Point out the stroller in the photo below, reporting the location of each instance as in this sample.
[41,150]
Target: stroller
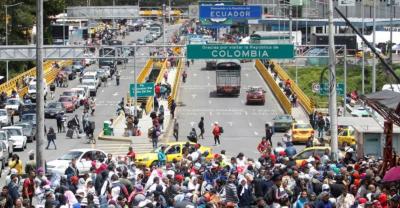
[89,130]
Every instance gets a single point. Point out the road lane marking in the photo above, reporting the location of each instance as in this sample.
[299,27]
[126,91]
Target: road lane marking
[192,123]
[209,102]
[194,96]
[210,113]
[208,84]
[256,133]
[115,94]
[208,77]
[230,123]
[245,113]
[247,75]
[250,124]
[195,75]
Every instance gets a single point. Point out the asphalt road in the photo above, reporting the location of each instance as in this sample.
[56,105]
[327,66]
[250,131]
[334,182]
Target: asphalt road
[106,103]
[243,124]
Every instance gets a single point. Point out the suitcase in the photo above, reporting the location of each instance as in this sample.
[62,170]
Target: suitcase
[70,133]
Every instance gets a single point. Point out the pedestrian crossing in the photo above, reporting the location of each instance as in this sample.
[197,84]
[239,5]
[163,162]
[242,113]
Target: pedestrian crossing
[122,148]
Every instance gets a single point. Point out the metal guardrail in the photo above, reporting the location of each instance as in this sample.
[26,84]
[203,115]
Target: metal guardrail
[150,100]
[305,101]
[282,98]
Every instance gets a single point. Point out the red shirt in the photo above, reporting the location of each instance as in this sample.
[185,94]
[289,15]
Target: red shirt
[157,89]
[262,146]
[29,185]
[216,131]
[132,155]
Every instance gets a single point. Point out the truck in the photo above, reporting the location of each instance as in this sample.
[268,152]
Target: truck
[228,77]
[350,40]
[157,29]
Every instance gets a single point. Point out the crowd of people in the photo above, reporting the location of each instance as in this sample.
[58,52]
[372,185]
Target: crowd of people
[272,180]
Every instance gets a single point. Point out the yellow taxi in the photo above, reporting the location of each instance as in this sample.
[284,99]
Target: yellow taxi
[301,131]
[308,152]
[346,136]
[173,151]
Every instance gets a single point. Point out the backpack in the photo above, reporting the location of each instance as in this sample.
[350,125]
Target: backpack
[221,130]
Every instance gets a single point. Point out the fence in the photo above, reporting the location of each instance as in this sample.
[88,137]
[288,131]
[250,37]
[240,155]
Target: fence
[282,98]
[305,101]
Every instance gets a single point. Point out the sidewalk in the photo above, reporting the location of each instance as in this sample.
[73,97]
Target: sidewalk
[298,113]
[141,143]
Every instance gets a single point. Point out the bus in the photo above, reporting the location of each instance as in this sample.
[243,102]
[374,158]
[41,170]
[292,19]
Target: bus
[228,77]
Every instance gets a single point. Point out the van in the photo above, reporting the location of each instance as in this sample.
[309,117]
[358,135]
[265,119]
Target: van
[32,90]
[392,87]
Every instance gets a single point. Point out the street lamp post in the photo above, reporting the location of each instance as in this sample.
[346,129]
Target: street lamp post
[6,7]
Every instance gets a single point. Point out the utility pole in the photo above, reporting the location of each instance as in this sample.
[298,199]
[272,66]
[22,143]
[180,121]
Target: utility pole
[290,23]
[135,81]
[163,22]
[169,12]
[113,19]
[373,45]
[391,31]
[363,51]
[332,84]
[39,85]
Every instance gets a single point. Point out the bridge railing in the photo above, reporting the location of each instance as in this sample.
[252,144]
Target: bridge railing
[280,96]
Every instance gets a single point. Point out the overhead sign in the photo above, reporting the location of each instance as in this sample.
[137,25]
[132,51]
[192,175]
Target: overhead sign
[324,89]
[347,2]
[102,12]
[143,90]
[240,51]
[215,22]
[231,11]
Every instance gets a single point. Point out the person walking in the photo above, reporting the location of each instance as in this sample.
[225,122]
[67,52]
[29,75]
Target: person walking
[268,133]
[51,136]
[321,126]
[176,129]
[217,133]
[184,76]
[154,135]
[172,108]
[59,119]
[201,127]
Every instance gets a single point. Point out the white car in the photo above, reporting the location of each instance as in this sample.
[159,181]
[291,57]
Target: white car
[13,104]
[16,136]
[84,158]
[4,120]
[107,70]
[360,112]
[4,137]
[82,95]
[89,58]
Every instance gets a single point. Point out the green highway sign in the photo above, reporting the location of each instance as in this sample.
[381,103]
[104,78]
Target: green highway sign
[143,90]
[324,89]
[240,51]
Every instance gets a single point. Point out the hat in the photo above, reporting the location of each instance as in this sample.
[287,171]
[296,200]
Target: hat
[325,187]
[216,122]
[362,200]
[179,177]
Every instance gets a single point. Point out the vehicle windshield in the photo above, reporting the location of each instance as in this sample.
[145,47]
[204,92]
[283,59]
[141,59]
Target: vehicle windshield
[32,87]
[53,105]
[3,113]
[71,155]
[14,132]
[68,93]
[12,102]
[89,77]
[65,99]
[302,126]
[255,90]
[2,136]
[28,117]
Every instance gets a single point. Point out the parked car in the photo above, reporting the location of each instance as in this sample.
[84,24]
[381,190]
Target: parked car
[74,95]
[13,105]
[173,151]
[149,38]
[140,42]
[29,118]
[4,119]
[28,130]
[52,109]
[282,123]
[301,131]
[5,137]
[81,93]
[255,95]
[360,112]
[68,103]
[84,158]
[16,136]
[77,66]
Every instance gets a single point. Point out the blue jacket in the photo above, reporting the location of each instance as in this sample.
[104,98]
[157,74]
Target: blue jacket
[161,156]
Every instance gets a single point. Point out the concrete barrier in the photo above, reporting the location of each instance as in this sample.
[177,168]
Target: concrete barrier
[304,100]
[280,96]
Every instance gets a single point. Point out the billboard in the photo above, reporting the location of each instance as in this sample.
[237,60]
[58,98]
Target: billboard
[231,11]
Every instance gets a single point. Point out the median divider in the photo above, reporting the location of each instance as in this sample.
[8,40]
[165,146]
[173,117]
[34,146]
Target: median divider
[174,93]
[305,101]
[282,98]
